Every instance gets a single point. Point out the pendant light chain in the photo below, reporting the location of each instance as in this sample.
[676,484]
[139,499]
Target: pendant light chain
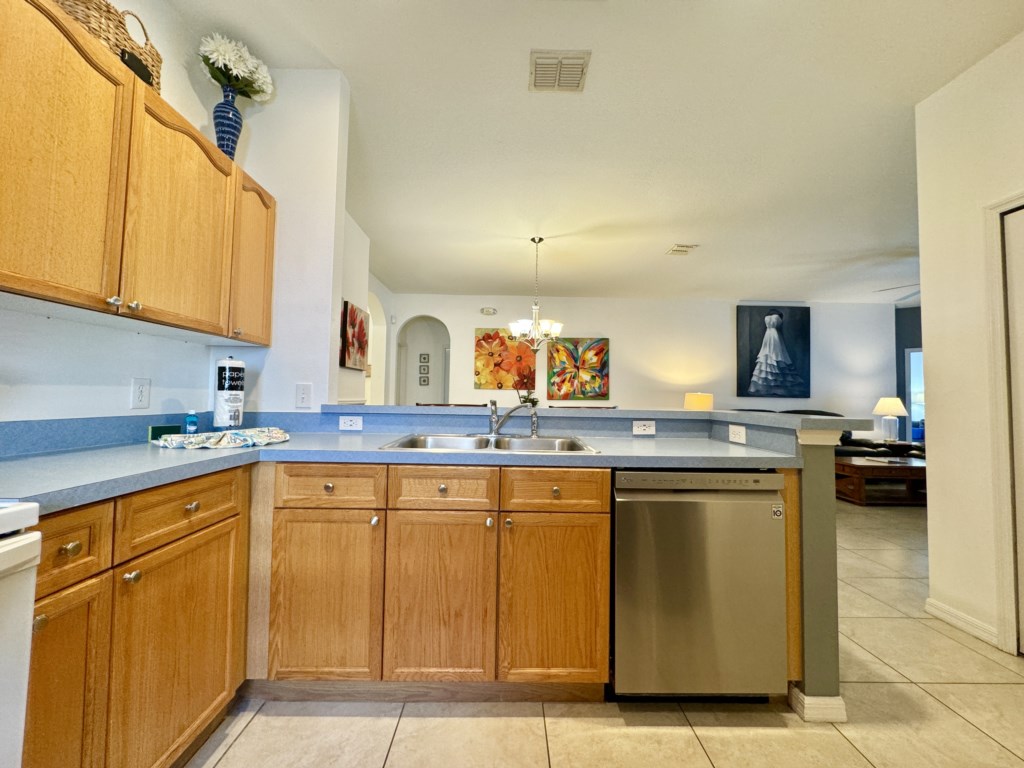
[535,332]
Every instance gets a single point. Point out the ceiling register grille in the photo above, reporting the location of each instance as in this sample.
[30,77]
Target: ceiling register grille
[558,70]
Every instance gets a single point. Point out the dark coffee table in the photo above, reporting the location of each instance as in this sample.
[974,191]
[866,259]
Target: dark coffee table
[891,481]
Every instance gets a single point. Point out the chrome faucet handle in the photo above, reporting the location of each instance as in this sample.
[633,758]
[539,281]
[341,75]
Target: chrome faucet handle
[533,421]
[493,421]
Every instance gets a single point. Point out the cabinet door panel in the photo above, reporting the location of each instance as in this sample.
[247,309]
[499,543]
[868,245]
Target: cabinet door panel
[172,644]
[66,719]
[64,142]
[439,604]
[178,221]
[76,545]
[326,594]
[554,597]
[252,261]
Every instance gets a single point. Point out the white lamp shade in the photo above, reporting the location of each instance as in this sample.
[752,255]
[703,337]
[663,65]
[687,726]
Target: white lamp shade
[698,401]
[889,406]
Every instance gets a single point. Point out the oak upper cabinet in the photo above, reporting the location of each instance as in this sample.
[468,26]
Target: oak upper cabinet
[252,261]
[554,583]
[66,718]
[327,572]
[179,604]
[440,588]
[64,139]
[176,264]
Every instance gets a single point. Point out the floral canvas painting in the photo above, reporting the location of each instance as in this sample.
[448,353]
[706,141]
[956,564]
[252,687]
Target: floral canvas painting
[355,334]
[501,363]
[578,369]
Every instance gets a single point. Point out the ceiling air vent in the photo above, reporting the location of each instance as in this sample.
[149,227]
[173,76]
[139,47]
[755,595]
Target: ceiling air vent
[558,70]
[681,250]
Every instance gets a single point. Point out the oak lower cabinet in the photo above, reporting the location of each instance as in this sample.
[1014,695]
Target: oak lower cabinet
[440,598]
[139,632]
[554,585]
[173,644]
[327,572]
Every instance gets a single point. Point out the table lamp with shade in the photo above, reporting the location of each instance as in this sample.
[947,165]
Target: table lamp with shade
[889,408]
[698,401]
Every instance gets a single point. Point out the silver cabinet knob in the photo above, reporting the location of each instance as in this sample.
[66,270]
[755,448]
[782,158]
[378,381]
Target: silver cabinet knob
[508,522]
[70,549]
[134,306]
[442,488]
[39,622]
[133,577]
[329,487]
[374,520]
[115,301]
[236,332]
[556,492]
[192,508]
[490,522]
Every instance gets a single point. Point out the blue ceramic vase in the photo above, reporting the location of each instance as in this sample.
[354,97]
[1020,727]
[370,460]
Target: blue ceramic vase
[227,122]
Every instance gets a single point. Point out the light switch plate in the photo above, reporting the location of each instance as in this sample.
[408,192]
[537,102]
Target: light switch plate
[303,394]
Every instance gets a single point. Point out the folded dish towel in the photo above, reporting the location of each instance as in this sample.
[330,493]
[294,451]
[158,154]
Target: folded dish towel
[234,438]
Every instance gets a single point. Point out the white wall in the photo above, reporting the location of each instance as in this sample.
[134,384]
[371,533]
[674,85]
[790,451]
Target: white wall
[355,271]
[970,157]
[381,385]
[296,146]
[661,349]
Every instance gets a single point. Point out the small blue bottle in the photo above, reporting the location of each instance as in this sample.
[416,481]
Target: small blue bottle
[191,423]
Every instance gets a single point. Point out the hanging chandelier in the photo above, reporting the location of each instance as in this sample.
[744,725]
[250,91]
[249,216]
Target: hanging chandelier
[535,332]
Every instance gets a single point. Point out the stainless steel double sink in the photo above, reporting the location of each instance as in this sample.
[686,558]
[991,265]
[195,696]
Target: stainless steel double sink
[516,443]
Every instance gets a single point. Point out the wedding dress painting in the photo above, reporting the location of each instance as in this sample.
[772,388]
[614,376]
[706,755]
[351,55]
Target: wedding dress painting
[773,351]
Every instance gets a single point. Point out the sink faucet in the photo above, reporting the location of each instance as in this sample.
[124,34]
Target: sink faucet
[496,424]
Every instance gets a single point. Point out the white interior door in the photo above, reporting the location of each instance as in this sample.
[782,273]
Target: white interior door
[1013,244]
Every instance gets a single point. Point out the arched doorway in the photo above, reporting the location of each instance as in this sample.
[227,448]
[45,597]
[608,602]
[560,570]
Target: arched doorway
[422,364]
[376,379]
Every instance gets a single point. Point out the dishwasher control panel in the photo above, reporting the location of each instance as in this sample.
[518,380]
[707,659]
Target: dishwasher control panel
[700,481]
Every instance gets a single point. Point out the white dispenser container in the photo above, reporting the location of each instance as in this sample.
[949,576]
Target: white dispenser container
[229,397]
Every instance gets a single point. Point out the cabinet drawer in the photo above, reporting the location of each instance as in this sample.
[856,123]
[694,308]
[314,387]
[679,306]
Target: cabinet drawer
[418,487]
[336,486]
[555,490]
[149,519]
[76,545]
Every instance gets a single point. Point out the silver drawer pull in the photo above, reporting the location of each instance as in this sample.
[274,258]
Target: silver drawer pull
[508,522]
[236,332]
[134,306]
[556,492]
[133,577]
[115,301]
[192,508]
[329,487]
[442,489]
[374,520]
[70,549]
[39,622]
[490,522]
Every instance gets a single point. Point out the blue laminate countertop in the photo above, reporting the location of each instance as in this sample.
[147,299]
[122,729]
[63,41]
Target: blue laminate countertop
[65,480]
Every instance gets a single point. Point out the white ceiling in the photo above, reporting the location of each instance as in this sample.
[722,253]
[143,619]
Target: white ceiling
[776,134]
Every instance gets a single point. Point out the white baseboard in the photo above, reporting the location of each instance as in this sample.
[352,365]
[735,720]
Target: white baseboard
[817,709]
[962,621]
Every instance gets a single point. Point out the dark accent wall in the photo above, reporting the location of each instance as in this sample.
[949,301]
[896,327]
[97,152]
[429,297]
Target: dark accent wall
[908,336]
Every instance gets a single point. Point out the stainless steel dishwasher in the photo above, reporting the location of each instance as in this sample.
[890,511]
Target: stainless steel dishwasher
[700,583]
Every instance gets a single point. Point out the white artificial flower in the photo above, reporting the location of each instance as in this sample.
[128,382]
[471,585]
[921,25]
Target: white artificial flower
[262,84]
[229,62]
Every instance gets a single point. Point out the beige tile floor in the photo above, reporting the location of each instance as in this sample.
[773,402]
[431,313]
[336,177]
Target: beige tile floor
[918,693]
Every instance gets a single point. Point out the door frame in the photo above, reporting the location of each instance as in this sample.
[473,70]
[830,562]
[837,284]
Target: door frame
[1008,512]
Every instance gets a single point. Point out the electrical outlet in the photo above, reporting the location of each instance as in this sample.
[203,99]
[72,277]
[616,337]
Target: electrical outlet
[643,427]
[350,423]
[304,395]
[737,434]
[140,393]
